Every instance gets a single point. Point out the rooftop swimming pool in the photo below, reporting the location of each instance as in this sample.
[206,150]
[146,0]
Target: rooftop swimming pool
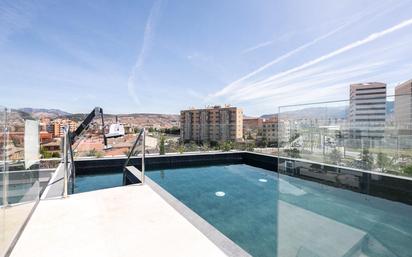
[269,214]
[96,181]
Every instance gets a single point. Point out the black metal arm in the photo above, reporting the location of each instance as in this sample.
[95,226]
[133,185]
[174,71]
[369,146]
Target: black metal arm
[85,124]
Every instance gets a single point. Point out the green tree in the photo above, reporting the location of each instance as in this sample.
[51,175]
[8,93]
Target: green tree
[293,137]
[366,159]
[293,153]
[250,147]
[249,136]
[407,169]
[181,148]
[263,142]
[45,154]
[335,157]
[162,145]
[226,146]
[94,153]
[383,162]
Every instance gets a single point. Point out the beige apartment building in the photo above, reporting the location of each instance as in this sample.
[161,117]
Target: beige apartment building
[403,108]
[270,130]
[214,124]
[367,110]
[59,124]
[275,131]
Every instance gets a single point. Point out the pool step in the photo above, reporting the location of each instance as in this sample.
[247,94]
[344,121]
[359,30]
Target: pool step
[305,233]
[133,175]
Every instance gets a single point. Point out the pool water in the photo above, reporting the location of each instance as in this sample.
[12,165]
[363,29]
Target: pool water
[275,215]
[95,181]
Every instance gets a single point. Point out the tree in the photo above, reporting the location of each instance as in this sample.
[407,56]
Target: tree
[293,137]
[226,146]
[249,136]
[263,142]
[94,153]
[335,156]
[293,153]
[383,162]
[407,169]
[366,159]
[45,154]
[181,149]
[162,146]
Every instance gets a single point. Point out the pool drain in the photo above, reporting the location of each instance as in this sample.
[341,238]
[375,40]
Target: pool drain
[220,193]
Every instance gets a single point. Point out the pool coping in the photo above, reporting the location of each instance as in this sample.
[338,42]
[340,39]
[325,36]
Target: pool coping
[229,247]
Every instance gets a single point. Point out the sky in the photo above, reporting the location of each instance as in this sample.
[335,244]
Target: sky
[162,56]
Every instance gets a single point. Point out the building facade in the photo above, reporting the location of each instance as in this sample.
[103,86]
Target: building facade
[367,111]
[59,124]
[211,124]
[252,127]
[403,108]
[270,130]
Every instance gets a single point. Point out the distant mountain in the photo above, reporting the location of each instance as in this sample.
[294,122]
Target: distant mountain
[340,112]
[41,112]
[269,116]
[313,113]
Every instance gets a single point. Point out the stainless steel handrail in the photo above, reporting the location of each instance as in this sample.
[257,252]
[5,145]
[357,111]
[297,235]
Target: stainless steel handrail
[67,150]
[5,168]
[142,135]
[65,161]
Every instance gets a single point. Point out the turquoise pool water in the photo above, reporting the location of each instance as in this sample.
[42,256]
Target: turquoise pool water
[95,181]
[271,215]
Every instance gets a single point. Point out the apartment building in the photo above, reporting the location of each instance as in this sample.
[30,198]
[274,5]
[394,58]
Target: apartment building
[275,131]
[214,123]
[252,127]
[59,124]
[270,130]
[367,110]
[403,108]
[252,123]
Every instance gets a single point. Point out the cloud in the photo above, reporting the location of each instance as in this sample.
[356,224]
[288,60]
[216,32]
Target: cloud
[253,48]
[232,85]
[269,86]
[15,16]
[148,35]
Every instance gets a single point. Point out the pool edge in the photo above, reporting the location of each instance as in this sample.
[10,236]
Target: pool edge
[229,247]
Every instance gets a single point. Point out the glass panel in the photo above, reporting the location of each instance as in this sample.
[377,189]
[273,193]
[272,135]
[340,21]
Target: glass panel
[20,176]
[346,133]
[336,160]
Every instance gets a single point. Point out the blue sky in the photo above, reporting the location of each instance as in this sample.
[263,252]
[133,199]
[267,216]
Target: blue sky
[164,56]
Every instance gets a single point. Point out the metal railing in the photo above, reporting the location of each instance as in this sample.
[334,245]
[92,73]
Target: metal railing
[5,169]
[142,137]
[69,168]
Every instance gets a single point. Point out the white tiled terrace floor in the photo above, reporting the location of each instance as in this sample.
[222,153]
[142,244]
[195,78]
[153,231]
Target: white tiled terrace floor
[122,221]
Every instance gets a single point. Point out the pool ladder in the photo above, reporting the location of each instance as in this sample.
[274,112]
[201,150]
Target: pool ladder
[139,174]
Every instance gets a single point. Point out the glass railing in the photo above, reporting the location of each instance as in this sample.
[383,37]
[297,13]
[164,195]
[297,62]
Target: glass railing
[366,135]
[21,180]
[324,149]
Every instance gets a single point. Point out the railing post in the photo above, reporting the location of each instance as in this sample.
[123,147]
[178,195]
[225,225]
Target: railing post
[65,175]
[5,168]
[143,154]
